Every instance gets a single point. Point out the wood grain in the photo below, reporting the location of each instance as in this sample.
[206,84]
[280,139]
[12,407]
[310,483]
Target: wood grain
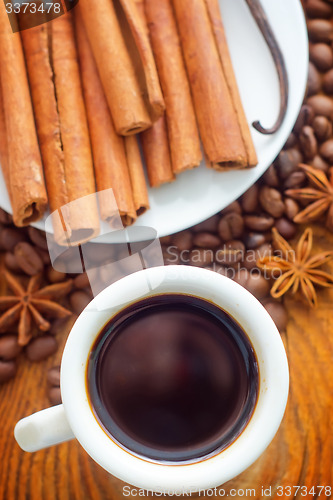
[300,454]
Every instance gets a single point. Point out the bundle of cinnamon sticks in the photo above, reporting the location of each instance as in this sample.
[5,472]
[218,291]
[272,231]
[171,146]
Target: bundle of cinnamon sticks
[78,95]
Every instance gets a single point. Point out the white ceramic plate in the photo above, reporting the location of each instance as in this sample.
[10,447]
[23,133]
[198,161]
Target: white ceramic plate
[198,194]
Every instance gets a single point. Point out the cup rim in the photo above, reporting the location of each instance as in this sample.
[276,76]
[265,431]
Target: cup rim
[273,374]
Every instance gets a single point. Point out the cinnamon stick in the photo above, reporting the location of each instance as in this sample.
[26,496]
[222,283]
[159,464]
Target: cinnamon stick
[151,85]
[222,44]
[3,145]
[180,116]
[123,83]
[80,181]
[24,170]
[218,123]
[155,146]
[36,48]
[138,181]
[109,154]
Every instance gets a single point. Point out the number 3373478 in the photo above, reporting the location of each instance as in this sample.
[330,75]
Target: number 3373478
[32,7]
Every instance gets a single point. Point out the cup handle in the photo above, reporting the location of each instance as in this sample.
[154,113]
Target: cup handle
[43,429]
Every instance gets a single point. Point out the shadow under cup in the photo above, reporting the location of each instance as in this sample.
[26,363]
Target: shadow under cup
[173,378]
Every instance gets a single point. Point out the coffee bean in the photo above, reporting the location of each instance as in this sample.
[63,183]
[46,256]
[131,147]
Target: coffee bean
[249,200]
[291,141]
[166,240]
[37,237]
[254,240]
[7,370]
[209,225]
[305,117]
[10,237]
[257,285]
[278,314]
[201,257]
[231,226]
[271,201]
[44,255]
[206,240]
[79,301]
[320,30]
[53,376]
[9,347]
[11,263]
[326,150]
[288,162]
[322,128]
[258,222]
[5,218]
[81,281]
[321,55]
[233,207]
[271,177]
[55,276]
[41,348]
[318,8]
[183,240]
[286,228]
[28,259]
[231,253]
[322,105]
[314,80]
[328,82]
[241,277]
[58,326]
[295,180]
[308,142]
[54,395]
[320,163]
[291,208]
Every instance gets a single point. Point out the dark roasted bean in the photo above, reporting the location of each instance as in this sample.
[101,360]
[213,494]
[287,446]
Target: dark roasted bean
[258,285]
[209,225]
[286,228]
[53,376]
[9,347]
[28,259]
[41,348]
[249,200]
[314,80]
[322,105]
[295,180]
[231,226]
[291,208]
[10,237]
[278,314]
[308,142]
[271,201]
[206,240]
[320,30]
[37,237]
[321,55]
[258,223]
[322,128]
[79,301]
[183,240]
[7,370]
[271,177]
[288,162]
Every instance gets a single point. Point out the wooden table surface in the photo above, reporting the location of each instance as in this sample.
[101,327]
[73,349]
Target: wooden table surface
[300,454]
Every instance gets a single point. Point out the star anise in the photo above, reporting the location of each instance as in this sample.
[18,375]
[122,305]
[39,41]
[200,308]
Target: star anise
[295,268]
[319,195]
[30,304]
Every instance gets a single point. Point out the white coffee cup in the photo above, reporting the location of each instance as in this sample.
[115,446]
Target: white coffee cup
[75,418]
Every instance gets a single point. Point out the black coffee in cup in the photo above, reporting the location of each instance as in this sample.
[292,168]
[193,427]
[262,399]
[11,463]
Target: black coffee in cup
[173,378]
